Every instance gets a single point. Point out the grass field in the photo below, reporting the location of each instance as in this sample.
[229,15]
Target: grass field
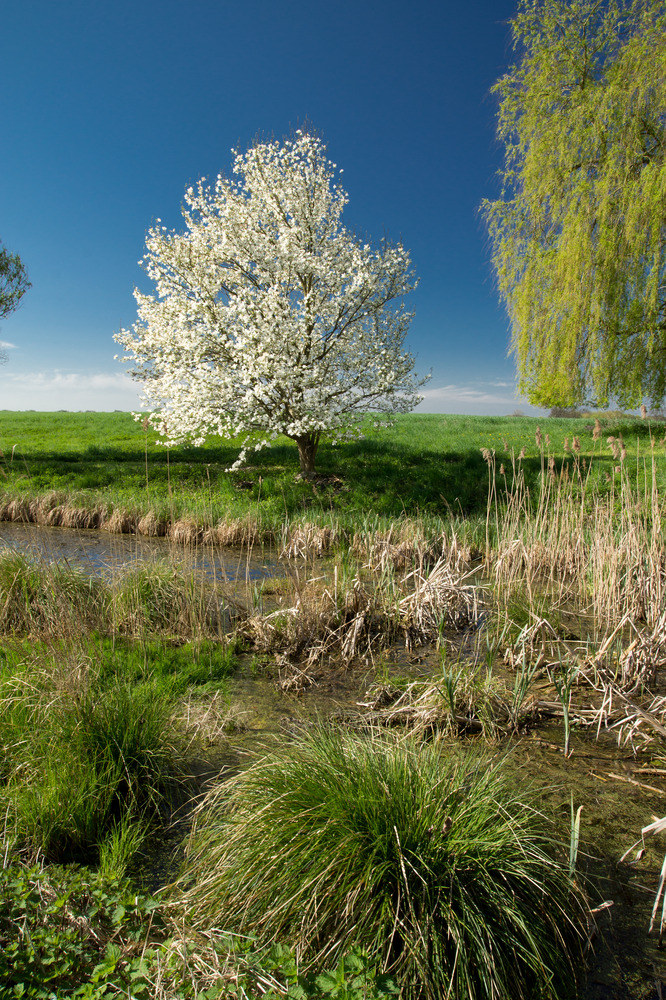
[426,466]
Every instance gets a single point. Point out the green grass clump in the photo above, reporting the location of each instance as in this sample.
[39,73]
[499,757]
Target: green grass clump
[82,765]
[174,668]
[152,598]
[424,858]
[92,755]
[40,598]
[56,600]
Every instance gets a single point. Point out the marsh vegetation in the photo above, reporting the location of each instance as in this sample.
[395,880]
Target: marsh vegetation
[482,677]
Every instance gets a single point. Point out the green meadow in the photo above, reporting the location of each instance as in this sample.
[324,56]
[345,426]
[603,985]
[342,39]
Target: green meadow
[425,466]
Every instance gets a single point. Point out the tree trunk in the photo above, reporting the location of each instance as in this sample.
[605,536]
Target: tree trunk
[307,449]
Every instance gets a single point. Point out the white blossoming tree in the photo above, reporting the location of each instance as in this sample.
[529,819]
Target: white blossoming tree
[270,317]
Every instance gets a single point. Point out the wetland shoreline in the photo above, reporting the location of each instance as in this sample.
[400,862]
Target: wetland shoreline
[532,632]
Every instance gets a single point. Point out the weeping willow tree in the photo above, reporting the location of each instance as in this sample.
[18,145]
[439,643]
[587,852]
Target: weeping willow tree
[579,232]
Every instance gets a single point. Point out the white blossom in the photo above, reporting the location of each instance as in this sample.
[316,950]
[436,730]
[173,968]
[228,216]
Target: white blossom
[269,316]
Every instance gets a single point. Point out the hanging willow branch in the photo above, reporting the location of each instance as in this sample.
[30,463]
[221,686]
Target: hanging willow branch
[579,231]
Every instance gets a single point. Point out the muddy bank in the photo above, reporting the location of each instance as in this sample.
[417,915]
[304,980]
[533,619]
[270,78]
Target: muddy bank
[54,510]
[403,542]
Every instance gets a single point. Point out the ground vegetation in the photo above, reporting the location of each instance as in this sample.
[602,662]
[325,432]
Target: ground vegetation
[427,639]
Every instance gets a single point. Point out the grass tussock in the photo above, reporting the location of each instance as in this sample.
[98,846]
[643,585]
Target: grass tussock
[426,859]
[89,759]
[97,740]
[55,600]
[40,599]
[151,526]
[153,599]
[237,533]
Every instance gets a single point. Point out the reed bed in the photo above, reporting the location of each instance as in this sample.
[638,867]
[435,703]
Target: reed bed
[573,591]
[407,543]
[352,617]
[576,589]
[601,554]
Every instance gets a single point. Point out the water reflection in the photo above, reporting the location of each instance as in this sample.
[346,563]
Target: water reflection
[102,554]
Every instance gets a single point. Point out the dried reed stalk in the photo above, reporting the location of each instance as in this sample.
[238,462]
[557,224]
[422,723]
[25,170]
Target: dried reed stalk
[351,620]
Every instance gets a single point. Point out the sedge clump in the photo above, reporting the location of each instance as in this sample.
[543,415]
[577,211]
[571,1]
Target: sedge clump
[424,858]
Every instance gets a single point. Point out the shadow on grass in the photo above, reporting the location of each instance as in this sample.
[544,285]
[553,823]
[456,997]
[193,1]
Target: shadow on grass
[370,476]
[633,429]
[374,476]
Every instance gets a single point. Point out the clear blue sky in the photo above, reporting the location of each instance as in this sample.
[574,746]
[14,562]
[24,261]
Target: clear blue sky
[110,109]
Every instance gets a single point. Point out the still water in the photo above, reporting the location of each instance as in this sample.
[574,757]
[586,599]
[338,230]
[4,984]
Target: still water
[103,554]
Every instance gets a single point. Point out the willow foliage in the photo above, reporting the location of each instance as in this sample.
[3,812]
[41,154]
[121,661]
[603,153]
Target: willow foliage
[579,232]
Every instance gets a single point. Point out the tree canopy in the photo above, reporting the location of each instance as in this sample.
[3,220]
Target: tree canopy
[13,281]
[579,232]
[270,317]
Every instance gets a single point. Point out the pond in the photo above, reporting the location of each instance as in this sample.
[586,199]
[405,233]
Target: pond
[101,553]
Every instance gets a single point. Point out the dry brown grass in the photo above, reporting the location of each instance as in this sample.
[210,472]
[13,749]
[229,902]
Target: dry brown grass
[307,541]
[17,510]
[119,522]
[80,517]
[477,705]
[185,532]
[151,526]
[234,533]
[351,618]
[604,557]
[405,544]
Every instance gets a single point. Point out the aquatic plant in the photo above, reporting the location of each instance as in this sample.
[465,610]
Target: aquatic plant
[53,599]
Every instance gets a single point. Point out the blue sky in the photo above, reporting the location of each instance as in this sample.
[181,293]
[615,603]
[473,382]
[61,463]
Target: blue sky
[109,110]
